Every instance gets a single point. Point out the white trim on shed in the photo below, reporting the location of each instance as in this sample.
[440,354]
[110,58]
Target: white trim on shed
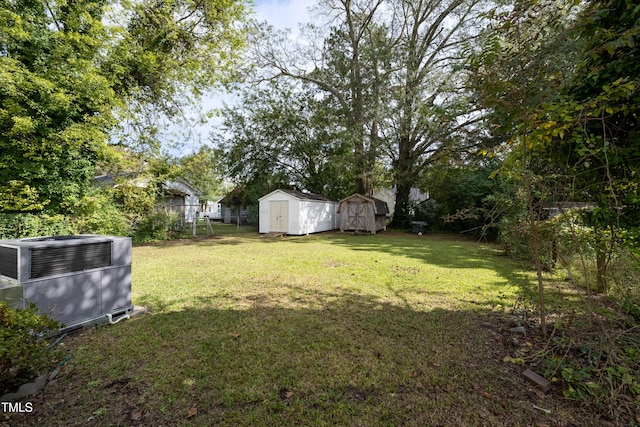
[297,213]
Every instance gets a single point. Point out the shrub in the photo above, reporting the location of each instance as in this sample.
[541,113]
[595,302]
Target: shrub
[23,351]
[157,226]
[18,225]
[98,213]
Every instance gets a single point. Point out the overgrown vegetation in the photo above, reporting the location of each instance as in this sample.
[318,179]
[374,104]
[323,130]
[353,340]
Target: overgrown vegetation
[591,353]
[504,126]
[83,81]
[24,352]
[29,225]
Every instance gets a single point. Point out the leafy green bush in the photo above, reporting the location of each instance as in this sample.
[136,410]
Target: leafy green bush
[157,226]
[14,226]
[98,213]
[23,352]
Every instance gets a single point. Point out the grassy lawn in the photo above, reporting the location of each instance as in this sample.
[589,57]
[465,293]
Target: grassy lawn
[329,329]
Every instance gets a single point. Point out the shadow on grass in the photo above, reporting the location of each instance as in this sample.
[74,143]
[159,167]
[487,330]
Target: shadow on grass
[335,358]
[453,252]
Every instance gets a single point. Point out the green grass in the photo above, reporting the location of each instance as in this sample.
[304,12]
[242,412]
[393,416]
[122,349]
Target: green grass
[329,329]
[405,270]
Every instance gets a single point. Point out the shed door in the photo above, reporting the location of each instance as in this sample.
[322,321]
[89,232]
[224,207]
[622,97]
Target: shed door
[279,216]
[357,216]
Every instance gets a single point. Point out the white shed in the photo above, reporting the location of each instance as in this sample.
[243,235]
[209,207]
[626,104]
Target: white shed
[297,213]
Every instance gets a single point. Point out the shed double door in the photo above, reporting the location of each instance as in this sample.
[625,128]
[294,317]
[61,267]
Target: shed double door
[279,216]
[356,216]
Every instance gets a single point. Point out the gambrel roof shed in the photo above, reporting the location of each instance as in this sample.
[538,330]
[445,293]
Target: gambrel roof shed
[296,213]
[363,213]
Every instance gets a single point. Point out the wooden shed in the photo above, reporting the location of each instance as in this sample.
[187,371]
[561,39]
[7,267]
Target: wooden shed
[362,213]
[297,213]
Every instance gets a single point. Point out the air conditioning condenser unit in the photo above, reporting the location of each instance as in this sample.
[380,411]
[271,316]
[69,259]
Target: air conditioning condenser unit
[77,280]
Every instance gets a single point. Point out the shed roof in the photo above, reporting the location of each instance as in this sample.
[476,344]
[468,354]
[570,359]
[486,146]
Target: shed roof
[380,206]
[300,195]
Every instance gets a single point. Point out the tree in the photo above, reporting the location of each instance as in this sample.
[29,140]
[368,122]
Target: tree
[431,112]
[284,136]
[391,68]
[349,68]
[202,170]
[593,130]
[514,75]
[64,76]
[55,105]
[165,55]
[470,197]
[568,103]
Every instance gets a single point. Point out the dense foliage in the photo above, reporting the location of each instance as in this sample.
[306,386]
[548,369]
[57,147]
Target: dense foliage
[285,137]
[470,198]
[68,69]
[55,104]
[23,349]
[391,73]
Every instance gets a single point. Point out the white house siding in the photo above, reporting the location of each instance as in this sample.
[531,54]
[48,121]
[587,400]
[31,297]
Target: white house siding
[416,197]
[212,209]
[191,198]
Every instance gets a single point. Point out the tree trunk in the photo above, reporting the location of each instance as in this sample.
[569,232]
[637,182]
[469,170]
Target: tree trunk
[535,238]
[405,177]
[401,216]
[601,266]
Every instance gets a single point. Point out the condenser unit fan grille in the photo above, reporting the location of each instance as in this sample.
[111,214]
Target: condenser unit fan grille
[9,262]
[49,261]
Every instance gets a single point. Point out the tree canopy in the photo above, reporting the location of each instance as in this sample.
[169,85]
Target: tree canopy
[68,69]
[392,73]
[281,136]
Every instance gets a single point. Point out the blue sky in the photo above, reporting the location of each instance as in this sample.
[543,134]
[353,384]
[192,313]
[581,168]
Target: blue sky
[282,14]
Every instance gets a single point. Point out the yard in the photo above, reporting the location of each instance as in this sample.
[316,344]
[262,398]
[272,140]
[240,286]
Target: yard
[327,329]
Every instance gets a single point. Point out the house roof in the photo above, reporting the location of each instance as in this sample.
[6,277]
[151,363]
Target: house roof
[110,179]
[568,205]
[380,206]
[300,195]
[177,186]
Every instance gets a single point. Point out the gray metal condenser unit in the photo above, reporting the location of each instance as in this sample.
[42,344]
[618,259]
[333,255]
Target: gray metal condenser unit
[77,280]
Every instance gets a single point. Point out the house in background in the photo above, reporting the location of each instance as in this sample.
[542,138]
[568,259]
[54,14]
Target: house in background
[212,208]
[363,213]
[552,209]
[296,213]
[416,198]
[176,196]
[235,208]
